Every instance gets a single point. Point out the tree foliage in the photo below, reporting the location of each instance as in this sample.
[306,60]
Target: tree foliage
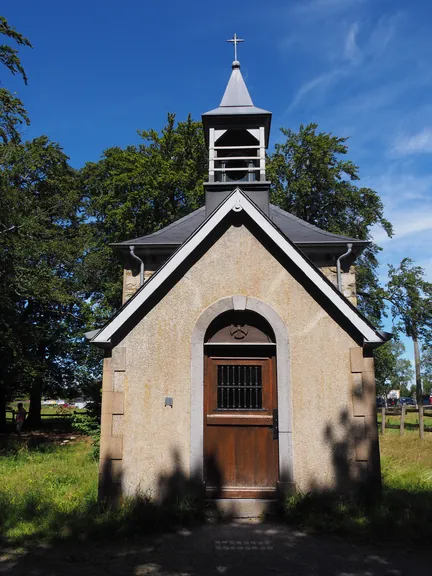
[134,191]
[392,370]
[42,299]
[312,180]
[426,369]
[410,297]
[13,115]
[8,55]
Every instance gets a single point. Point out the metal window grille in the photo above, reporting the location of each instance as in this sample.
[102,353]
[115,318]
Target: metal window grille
[239,387]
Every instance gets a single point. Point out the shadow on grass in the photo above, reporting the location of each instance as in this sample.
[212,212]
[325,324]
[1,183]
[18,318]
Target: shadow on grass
[399,517]
[180,503]
[363,505]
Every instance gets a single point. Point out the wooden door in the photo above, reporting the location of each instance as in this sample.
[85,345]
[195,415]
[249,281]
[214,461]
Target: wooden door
[240,427]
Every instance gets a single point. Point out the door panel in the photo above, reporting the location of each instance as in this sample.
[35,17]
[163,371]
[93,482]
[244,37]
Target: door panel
[240,453]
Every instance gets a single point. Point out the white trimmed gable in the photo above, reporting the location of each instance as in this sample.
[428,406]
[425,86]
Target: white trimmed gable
[237,202]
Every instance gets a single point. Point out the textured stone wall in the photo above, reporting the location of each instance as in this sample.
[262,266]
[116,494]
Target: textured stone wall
[349,289]
[131,281]
[156,363]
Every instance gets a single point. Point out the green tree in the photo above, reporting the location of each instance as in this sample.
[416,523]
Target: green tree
[12,112]
[43,306]
[134,191]
[312,180]
[410,297]
[392,370]
[426,369]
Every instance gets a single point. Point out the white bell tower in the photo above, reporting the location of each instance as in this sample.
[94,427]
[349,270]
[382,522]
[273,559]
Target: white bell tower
[237,135]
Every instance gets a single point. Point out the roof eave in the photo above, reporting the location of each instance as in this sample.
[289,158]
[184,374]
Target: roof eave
[238,201]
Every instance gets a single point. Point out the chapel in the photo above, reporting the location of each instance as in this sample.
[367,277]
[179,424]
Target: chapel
[238,364]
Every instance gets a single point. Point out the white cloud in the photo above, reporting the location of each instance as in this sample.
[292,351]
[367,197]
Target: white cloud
[420,143]
[406,224]
[321,82]
[318,7]
[347,61]
[352,52]
[398,187]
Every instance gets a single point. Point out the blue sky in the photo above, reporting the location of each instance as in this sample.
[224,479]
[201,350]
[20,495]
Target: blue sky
[101,69]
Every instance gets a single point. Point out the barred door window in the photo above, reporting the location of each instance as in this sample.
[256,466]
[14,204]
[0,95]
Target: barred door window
[239,387]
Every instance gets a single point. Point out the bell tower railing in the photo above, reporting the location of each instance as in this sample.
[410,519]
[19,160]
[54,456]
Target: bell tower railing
[237,163]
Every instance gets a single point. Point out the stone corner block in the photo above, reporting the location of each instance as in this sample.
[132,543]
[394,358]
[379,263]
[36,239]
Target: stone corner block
[111,448]
[119,359]
[359,427]
[369,365]
[371,425]
[362,406]
[112,402]
[356,357]
[239,302]
[117,403]
[362,449]
[113,468]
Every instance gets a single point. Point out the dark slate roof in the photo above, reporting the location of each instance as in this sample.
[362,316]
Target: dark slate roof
[294,228]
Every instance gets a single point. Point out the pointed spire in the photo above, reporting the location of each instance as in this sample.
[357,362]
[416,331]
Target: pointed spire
[236,92]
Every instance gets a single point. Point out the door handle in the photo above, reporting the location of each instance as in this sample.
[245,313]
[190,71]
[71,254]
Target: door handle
[275,424]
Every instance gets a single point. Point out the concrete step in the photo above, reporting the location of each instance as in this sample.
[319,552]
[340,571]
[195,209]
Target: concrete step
[243,507]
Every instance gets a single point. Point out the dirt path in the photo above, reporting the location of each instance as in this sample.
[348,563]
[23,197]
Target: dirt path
[244,548]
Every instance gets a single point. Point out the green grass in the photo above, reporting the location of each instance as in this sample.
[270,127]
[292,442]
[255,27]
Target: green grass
[403,513]
[49,492]
[41,488]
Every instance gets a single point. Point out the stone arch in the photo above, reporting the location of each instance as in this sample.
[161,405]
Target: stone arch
[286,472]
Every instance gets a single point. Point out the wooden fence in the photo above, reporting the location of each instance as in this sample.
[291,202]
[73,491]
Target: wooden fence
[12,413]
[402,411]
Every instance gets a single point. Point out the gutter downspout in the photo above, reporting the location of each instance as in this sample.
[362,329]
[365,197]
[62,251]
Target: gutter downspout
[135,257]
[338,266]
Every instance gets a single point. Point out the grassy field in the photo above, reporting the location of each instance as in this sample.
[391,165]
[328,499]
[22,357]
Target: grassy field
[49,491]
[45,487]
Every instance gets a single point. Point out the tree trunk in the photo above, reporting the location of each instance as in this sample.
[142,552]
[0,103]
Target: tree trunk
[34,416]
[419,393]
[34,419]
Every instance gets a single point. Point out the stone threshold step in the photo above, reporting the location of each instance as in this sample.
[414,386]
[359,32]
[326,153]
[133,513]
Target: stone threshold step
[243,507]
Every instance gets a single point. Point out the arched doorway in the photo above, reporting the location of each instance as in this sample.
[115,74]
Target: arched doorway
[241,452]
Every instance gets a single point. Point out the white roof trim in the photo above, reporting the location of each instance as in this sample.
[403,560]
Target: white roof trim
[237,202]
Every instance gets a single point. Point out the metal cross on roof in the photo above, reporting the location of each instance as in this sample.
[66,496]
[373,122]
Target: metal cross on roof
[235,41]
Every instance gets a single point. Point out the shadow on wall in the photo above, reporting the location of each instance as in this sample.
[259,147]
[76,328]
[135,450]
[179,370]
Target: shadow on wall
[180,498]
[355,457]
